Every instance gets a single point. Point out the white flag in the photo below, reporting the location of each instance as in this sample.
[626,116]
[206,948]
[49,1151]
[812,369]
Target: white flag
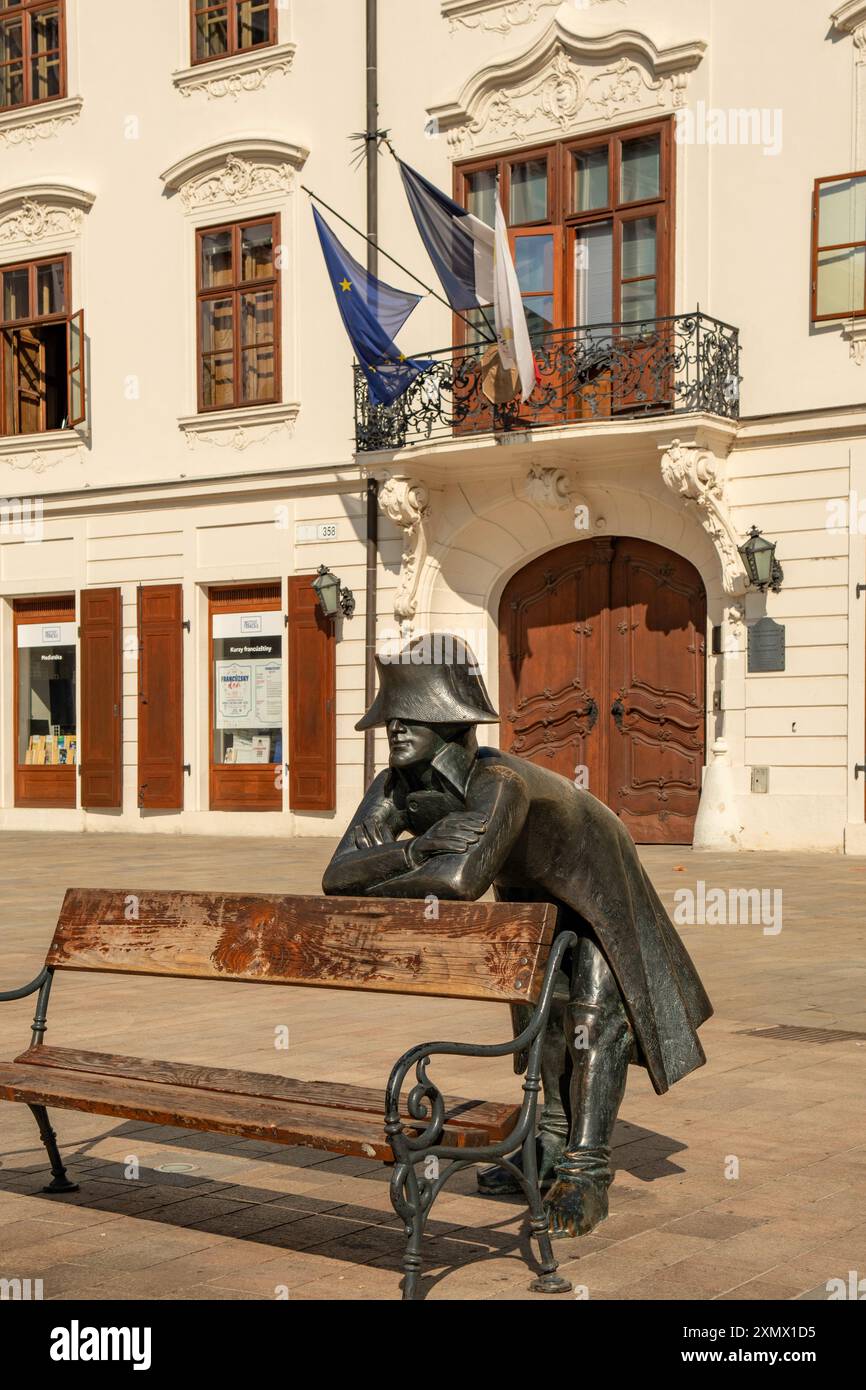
[512,332]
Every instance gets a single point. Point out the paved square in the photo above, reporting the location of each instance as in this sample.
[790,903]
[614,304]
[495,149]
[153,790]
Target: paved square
[747,1180]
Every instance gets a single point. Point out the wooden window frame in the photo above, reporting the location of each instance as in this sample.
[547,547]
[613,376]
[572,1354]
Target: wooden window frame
[235,292]
[65,316]
[43,787]
[26,9]
[816,250]
[562,220]
[243,786]
[233,51]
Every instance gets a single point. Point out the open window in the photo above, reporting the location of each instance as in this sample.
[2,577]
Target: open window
[42,350]
[839,247]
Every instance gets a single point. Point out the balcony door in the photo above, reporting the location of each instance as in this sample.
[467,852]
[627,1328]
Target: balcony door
[591,228]
[602,678]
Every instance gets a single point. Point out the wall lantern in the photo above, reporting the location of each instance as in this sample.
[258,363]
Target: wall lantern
[332,595]
[759,558]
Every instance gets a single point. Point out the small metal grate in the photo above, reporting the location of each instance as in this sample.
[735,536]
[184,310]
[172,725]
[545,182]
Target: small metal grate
[793,1032]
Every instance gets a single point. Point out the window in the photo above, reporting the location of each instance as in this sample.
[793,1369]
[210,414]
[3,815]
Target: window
[238,315]
[839,247]
[32,52]
[246,636]
[221,28]
[41,349]
[46,730]
[591,224]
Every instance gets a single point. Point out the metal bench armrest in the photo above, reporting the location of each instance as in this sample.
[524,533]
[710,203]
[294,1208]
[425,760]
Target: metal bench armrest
[425,1102]
[24,990]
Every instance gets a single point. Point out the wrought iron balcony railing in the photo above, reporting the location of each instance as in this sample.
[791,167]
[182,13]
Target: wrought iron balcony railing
[661,366]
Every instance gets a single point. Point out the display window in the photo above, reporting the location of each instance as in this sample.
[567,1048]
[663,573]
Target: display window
[247,676]
[45,720]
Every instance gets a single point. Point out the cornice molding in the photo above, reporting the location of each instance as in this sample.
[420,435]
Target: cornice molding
[26,124]
[235,171]
[850,16]
[565,81]
[242,72]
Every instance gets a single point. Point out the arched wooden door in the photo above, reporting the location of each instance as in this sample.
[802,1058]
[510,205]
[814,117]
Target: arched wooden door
[602,677]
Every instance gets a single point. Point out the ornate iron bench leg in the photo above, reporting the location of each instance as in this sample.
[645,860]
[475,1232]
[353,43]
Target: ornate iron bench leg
[415,1219]
[550,1281]
[60,1182]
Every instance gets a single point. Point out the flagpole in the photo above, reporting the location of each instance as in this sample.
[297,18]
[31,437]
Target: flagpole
[372,240]
[380,251]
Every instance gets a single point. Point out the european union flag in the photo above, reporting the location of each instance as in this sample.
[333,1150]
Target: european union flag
[372,313]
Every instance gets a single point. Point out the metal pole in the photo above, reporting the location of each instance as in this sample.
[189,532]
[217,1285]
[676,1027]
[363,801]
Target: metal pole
[372,127]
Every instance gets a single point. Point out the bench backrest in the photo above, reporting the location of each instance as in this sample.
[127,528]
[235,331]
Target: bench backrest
[494,951]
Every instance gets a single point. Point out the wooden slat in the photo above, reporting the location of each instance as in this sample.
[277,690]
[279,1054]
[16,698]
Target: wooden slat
[249,1117]
[492,951]
[493,1120]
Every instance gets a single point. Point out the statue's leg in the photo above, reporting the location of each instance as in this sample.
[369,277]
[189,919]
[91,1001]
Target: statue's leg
[554,1124]
[600,1040]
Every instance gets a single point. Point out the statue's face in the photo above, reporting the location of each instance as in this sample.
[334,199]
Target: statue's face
[413,743]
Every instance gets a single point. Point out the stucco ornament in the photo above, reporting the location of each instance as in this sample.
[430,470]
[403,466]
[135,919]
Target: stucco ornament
[407,504]
[698,477]
[565,81]
[237,180]
[493,17]
[34,221]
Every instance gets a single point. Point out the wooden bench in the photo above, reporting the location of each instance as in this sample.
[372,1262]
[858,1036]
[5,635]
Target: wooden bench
[497,952]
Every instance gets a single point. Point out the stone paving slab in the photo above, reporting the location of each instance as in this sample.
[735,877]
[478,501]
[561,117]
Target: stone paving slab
[747,1180]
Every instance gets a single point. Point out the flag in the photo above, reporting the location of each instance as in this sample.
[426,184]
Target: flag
[372,313]
[475,265]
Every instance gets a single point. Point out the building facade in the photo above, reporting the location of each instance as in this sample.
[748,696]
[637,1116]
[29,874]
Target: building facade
[185,441]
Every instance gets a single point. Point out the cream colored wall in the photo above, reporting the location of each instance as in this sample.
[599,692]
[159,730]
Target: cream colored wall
[743,228]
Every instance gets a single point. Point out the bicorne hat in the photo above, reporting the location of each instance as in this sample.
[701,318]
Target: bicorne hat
[433,680]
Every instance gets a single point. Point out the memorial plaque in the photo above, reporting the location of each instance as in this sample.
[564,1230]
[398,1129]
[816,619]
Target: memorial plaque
[766,646]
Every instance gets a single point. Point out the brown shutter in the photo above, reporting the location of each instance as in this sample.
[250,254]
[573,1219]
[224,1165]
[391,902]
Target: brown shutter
[101,696]
[160,697]
[312,701]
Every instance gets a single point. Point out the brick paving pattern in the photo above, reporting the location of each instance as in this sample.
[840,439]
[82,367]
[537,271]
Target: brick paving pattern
[748,1180]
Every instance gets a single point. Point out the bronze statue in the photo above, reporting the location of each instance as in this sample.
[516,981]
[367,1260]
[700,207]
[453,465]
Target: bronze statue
[475,817]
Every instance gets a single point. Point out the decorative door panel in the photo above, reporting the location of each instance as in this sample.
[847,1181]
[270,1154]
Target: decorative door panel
[602,660]
[657,665]
[552,646]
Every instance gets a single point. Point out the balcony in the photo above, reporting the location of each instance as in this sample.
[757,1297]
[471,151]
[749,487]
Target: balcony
[657,368]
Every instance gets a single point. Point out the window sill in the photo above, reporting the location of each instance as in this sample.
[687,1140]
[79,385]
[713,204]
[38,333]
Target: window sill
[242,72]
[27,124]
[38,452]
[241,428]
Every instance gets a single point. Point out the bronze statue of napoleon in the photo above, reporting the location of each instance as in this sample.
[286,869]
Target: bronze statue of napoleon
[451,819]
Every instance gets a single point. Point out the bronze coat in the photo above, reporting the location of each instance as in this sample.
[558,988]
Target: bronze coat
[546,840]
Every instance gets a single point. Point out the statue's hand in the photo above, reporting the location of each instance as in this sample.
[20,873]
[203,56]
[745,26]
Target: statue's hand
[453,834]
[373,832]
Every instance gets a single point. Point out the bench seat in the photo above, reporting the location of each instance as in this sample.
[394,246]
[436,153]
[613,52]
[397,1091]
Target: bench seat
[325,1115]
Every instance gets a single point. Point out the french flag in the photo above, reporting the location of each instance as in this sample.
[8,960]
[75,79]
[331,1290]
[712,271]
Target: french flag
[475,265]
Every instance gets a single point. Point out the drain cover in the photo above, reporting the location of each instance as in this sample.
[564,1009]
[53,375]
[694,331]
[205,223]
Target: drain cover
[176,1168]
[792,1032]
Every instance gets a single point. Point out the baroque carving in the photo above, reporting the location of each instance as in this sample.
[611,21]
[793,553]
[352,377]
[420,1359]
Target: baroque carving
[698,478]
[233,76]
[29,124]
[34,221]
[236,180]
[407,504]
[238,435]
[565,82]
[494,17]
[39,461]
